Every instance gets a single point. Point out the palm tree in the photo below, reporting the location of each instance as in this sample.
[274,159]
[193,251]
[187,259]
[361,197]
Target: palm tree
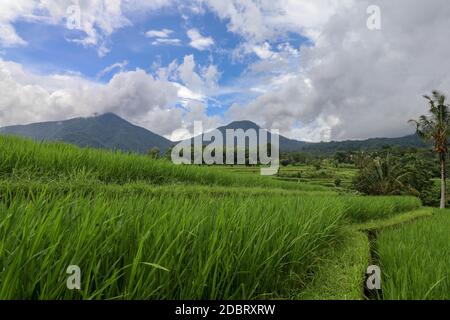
[384,176]
[436,127]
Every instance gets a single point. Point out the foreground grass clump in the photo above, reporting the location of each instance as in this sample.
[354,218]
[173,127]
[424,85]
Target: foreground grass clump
[415,259]
[26,158]
[162,246]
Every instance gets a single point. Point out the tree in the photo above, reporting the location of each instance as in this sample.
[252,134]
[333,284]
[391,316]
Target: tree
[153,153]
[340,157]
[435,127]
[361,159]
[379,176]
[391,175]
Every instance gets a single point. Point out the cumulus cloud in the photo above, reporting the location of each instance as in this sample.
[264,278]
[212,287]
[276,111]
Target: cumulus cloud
[10,11]
[161,37]
[194,82]
[361,83]
[211,76]
[263,51]
[259,21]
[198,41]
[136,95]
[196,112]
[164,33]
[187,74]
[164,41]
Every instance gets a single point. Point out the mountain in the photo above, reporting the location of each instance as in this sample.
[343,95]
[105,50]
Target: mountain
[290,145]
[107,131]
[412,141]
[286,144]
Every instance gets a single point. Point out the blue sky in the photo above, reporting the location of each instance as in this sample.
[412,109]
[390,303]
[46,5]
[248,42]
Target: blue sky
[303,67]
[219,57]
[49,50]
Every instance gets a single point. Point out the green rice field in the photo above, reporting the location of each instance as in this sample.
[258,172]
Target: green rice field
[147,229]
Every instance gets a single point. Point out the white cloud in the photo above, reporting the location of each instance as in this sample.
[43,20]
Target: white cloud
[263,20]
[264,51]
[196,112]
[187,74]
[199,79]
[362,83]
[211,76]
[198,41]
[11,11]
[136,95]
[196,84]
[164,33]
[9,37]
[185,94]
[98,19]
[119,65]
[164,41]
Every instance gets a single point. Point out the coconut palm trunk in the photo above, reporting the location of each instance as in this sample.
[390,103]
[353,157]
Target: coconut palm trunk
[443,181]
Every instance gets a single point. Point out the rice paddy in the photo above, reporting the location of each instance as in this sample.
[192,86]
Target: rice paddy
[147,229]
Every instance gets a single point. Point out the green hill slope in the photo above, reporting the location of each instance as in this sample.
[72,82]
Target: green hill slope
[107,131]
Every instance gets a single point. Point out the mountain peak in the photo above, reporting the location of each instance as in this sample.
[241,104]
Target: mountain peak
[244,124]
[109,116]
[108,131]
[112,119]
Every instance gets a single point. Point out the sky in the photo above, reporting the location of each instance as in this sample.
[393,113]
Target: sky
[339,69]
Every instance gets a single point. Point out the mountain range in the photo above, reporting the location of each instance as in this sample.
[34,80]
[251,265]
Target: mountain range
[109,131]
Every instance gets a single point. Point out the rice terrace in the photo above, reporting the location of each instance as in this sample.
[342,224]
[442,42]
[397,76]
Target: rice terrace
[203,152]
[147,229]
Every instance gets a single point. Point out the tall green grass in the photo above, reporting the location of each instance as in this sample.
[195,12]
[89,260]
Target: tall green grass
[357,209]
[145,229]
[83,187]
[363,209]
[162,247]
[26,158]
[415,260]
